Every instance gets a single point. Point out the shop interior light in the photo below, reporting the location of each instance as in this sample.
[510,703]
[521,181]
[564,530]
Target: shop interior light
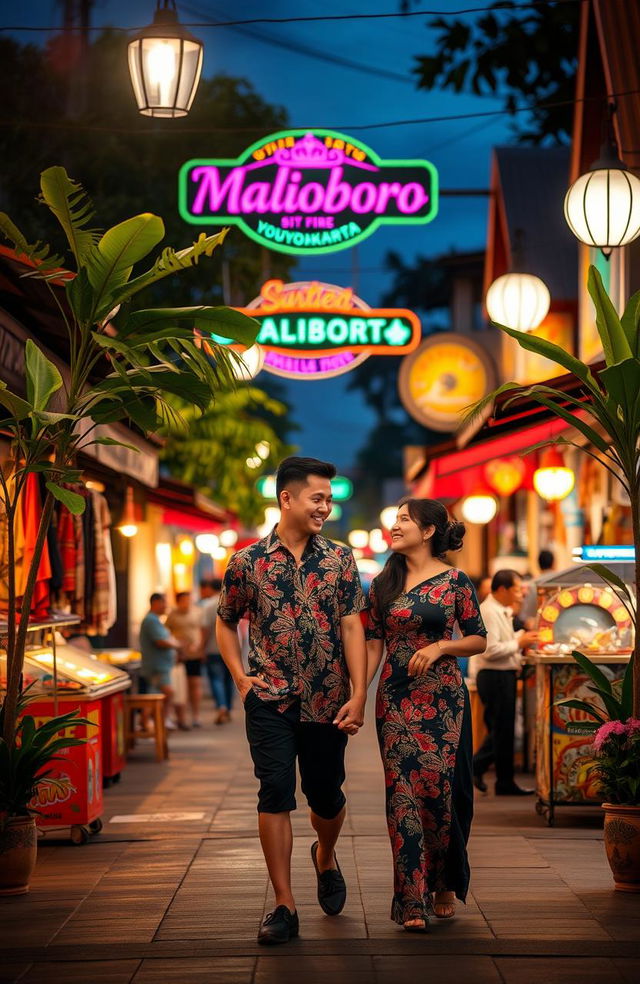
[358,539]
[228,538]
[254,461]
[368,566]
[185,546]
[388,516]
[128,526]
[377,542]
[206,543]
[479,508]
[518,300]
[271,517]
[553,480]
[263,449]
[165,62]
[219,553]
[602,207]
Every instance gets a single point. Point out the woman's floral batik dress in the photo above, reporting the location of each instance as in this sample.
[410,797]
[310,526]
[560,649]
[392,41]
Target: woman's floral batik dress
[418,722]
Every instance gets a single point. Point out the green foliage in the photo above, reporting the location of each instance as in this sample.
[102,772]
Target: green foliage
[524,56]
[212,450]
[617,746]
[607,413]
[24,760]
[611,703]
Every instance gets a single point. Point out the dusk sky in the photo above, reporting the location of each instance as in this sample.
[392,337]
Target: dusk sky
[281,63]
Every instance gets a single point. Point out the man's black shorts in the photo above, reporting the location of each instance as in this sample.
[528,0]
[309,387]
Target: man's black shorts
[193,667]
[276,739]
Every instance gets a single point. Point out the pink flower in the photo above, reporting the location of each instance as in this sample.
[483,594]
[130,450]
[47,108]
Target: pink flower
[606,730]
[633,725]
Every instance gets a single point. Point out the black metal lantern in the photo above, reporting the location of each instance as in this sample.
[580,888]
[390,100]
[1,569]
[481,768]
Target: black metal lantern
[165,62]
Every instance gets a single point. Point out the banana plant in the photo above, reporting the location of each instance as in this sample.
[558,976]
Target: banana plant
[607,414]
[124,365]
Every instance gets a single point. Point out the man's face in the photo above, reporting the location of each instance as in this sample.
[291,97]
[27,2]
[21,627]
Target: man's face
[307,506]
[159,606]
[183,603]
[514,595]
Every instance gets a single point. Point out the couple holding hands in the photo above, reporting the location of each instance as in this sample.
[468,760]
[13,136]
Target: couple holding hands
[311,660]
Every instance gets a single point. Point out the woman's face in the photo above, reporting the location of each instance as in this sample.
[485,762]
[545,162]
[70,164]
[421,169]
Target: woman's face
[406,535]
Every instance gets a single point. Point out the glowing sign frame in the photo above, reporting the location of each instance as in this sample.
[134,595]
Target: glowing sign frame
[312,301]
[305,226]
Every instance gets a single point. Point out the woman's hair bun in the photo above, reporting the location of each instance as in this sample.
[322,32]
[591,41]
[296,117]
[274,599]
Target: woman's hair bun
[455,532]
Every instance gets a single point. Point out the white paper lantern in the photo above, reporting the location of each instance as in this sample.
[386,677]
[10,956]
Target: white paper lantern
[479,508]
[518,300]
[165,62]
[602,207]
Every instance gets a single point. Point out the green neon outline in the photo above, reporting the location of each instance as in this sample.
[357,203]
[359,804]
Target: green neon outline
[239,221]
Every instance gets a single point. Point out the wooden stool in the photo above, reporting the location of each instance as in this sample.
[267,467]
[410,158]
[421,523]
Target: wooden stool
[150,705]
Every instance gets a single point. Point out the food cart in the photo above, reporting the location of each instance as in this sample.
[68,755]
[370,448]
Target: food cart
[578,610]
[114,750]
[67,678]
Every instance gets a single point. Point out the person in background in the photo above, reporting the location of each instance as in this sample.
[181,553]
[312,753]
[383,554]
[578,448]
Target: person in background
[421,705]
[529,608]
[496,671]
[159,651]
[484,587]
[185,621]
[220,680]
[306,686]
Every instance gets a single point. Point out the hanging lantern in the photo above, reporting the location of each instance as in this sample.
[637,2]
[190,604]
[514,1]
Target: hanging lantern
[518,300]
[128,526]
[165,62]
[479,508]
[246,365]
[552,480]
[602,207]
[505,475]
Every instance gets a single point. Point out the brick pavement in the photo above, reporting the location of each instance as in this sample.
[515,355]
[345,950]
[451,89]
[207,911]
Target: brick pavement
[178,901]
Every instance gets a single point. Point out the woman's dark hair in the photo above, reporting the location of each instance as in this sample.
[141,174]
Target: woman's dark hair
[447,535]
[296,471]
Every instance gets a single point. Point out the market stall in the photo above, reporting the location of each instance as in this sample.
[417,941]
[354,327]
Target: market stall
[588,616]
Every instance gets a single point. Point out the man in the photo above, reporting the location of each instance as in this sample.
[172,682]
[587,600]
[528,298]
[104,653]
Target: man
[529,609]
[303,598]
[497,671]
[158,650]
[185,622]
[220,680]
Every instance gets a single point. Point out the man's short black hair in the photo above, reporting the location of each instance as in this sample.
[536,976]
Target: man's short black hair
[546,560]
[156,596]
[504,579]
[297,470]
[211,582]
[182,594]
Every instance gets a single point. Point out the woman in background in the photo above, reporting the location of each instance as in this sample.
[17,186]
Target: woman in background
[414,604]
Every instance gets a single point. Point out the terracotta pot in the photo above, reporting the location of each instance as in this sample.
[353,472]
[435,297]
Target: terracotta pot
[622,843]
[18,849]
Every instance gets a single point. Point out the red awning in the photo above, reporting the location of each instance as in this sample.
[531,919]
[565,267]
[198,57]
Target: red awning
[458,473]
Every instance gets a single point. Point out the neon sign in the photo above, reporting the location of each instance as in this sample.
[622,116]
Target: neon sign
[311,330]
[308,191]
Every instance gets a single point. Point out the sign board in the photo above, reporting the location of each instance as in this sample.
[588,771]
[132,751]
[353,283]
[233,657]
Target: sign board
[310,330]
[443,377]
[306,192]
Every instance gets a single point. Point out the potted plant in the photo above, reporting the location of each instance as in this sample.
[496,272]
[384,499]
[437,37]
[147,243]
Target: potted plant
[23,770]
[607,413]
[123,364]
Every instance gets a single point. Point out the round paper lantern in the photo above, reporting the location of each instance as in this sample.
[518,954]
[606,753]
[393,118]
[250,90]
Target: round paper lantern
[505,475]
[518,300]
[602,207]
[479,508]
[553,481]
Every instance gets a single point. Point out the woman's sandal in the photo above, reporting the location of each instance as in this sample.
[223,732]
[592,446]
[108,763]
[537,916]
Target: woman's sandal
[416,926]
[446,909]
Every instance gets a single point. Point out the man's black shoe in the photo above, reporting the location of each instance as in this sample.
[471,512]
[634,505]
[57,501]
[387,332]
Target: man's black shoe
[278,926]
[513,790]
[479,782]
[332,890]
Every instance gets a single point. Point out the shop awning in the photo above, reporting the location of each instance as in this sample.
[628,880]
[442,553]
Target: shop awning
[189,509]
[456,473]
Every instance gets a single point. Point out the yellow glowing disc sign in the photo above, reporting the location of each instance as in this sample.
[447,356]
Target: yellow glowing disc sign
[444,376]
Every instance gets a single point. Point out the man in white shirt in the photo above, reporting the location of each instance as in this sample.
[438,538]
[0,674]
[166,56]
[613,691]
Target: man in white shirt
[497,671]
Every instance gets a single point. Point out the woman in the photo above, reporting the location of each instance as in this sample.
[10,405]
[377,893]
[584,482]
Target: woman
[413,607]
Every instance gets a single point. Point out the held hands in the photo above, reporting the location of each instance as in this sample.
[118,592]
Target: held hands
[246,683]
[350,717]
[527,639]
[422,660]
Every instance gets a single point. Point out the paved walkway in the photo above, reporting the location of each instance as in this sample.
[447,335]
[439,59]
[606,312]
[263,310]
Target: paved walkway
[178,901]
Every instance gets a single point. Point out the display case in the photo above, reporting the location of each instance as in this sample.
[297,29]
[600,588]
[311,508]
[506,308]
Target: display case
[589,617]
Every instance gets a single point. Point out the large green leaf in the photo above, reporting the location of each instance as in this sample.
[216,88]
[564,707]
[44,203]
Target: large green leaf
[75,503]
[626,694]
[614,340]
[541,346]
[122,246]
[565,414]
[581,705]
[622,382]
[39,253]
[81,297]
[630,322]
[593,672]
[43,378]
[221,321]
[73,209]
[16,406]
